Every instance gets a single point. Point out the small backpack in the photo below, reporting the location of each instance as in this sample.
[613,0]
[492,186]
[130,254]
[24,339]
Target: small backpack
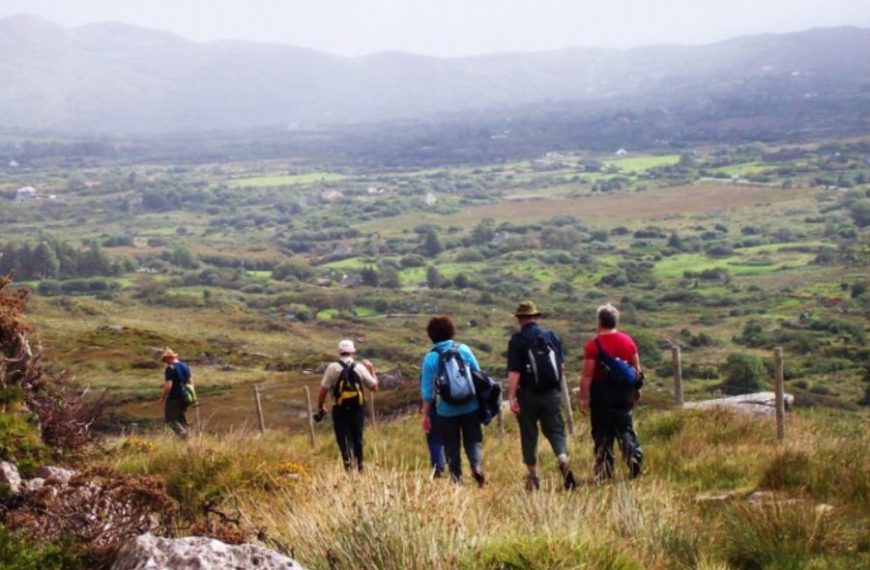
[543,370]
[188,393]
[348,388]
[621,374]
[453,381]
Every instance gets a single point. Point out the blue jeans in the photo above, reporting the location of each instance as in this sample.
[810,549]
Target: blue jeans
[435,442]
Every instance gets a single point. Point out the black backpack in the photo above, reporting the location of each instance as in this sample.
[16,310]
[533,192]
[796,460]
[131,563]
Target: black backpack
[488,396]
[453,380]
[348,388]
[543,373]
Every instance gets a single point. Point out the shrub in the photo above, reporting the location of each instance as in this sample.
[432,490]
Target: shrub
[744,373]
[20,553]
[780,536]
[470,255]
[413,260]
[295,268]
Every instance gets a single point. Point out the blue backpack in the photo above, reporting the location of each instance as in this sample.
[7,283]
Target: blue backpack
[620,373]
[453,380]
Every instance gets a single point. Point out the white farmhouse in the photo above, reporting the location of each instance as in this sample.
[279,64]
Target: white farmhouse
[25,194]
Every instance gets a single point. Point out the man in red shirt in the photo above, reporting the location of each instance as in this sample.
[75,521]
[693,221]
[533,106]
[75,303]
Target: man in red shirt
[610,404]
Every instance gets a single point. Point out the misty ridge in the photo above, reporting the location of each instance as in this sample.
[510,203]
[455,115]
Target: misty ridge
[113,78]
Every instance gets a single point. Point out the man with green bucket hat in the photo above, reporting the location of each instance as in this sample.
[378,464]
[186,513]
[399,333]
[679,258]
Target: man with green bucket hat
[535,367]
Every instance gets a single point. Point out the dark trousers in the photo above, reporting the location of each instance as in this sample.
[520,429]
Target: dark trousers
[173,414]
[348,422]
[610,425]
[467,429]
[434,442]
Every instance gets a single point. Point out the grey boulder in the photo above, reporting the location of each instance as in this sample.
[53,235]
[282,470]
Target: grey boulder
[757,404]
[9,476]
[149,552]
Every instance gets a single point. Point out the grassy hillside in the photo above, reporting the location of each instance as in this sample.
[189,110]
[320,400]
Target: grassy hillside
[254,269]
[394,517]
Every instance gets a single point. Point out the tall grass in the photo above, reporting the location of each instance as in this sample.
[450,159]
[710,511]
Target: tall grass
[394,516]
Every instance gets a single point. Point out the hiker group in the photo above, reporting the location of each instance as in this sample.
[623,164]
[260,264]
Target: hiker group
[458,397]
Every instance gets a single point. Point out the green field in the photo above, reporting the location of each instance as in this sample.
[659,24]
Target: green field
[643,162]
[287,179]
[750,261]
[744,168]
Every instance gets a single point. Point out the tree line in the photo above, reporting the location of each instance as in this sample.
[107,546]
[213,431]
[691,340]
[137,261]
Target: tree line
[56,259]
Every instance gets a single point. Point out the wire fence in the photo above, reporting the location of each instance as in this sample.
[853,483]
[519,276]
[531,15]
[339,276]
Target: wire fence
[278,404]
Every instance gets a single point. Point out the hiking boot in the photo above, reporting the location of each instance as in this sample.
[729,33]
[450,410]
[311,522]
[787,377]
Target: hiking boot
[532,483]
[478,476]
[634,468]
[438,473]
[568,481]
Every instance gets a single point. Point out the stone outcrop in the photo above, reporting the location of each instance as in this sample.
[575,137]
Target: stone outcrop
[148,552]
[57,475]
[9,477]
[757,404]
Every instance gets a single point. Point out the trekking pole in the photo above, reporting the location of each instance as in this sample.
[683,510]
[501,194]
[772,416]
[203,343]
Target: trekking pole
[566,401]
[198,420]
[372,407]
[501,411]
[310,416]
[778,380]
[678,375]
[259,405]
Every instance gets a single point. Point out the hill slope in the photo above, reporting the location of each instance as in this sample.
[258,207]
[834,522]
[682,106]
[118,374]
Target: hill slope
[112,77]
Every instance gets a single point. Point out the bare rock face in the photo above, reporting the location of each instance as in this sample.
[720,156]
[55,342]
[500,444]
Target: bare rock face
[9,476]
[56,474]
[148,552]
[757,404]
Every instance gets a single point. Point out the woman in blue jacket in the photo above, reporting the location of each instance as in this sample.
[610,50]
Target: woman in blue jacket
[457,415]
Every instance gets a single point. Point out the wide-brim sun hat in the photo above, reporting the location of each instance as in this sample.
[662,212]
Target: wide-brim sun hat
[527,309]
[168,353]
[346,347]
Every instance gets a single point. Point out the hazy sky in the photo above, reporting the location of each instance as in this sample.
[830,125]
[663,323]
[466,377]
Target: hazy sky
[455,27]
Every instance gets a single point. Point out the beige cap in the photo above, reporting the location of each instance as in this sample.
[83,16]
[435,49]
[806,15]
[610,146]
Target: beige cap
[527,309]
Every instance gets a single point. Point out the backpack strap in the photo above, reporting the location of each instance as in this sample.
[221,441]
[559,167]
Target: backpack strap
[599,350]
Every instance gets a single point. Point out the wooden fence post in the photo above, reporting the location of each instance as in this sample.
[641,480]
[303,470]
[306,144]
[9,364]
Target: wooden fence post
[259,405]
[779,388]
[310,416]
[566,396]
[371,403]
[678,375]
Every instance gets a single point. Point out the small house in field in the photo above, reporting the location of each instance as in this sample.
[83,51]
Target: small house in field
[350,281]
[331,195]
[25,194]
[621,152]
[430,199]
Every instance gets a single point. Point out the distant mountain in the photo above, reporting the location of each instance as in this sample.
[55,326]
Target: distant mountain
[119,78]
